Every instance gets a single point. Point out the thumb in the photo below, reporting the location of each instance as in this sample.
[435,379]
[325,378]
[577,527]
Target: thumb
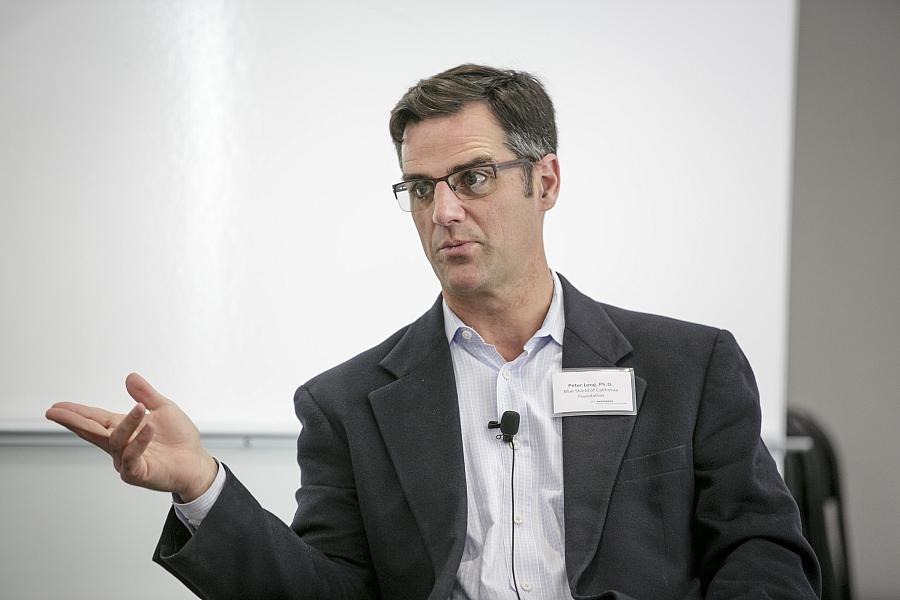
[139,389]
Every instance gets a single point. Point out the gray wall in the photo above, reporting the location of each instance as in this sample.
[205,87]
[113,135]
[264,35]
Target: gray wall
[844,348]
[71,529]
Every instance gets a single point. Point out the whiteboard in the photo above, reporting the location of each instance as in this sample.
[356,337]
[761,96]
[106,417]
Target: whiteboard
[200,191]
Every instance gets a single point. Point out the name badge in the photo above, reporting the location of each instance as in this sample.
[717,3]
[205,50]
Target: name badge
[600,391]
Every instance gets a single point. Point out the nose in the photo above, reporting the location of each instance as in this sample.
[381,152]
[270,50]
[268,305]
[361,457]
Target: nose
[447,207]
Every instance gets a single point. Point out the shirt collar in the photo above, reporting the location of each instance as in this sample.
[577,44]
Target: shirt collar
[554,322]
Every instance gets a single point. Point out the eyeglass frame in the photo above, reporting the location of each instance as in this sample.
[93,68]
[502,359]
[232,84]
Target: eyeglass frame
[495,167]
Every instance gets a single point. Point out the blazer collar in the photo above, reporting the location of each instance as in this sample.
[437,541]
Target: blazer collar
[593,446]
[418,415]
[588,325]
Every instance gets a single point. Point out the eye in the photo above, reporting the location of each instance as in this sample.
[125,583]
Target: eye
[473,178]
[421,189]
[475,181]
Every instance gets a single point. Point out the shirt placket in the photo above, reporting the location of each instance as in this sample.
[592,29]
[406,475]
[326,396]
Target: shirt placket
[511,396]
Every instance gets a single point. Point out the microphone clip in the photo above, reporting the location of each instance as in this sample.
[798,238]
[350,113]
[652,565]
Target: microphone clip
[496,425]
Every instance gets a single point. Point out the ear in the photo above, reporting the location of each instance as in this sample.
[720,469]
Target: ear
[546,173]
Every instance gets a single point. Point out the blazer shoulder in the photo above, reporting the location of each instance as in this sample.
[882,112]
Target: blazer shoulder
[642,328]
[361,371]
[631,329]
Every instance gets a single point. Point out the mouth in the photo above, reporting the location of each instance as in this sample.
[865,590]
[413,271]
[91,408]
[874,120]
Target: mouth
[455,247]
[453,244]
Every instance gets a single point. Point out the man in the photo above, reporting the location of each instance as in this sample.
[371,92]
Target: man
[405,491]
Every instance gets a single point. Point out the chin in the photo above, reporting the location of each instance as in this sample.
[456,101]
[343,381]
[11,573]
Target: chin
[462,281]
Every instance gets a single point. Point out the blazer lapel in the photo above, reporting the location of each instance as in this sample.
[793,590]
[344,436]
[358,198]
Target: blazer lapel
[593,446]
[418,416]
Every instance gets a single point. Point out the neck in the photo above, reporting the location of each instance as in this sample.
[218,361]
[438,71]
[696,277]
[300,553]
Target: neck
[507,318]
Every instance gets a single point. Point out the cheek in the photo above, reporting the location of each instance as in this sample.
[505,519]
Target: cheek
[513,230]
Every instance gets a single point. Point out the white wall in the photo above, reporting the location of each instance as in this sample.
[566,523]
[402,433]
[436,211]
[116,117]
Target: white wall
[199,191]
[845,264]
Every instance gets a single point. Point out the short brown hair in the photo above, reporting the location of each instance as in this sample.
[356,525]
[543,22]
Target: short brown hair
[517,99]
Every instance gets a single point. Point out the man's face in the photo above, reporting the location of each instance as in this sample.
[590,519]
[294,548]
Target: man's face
[482,245]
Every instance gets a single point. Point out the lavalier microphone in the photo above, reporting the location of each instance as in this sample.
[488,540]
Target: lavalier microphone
[508,425]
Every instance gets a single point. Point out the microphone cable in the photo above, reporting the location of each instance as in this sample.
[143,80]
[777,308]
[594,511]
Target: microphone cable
[512,500]
[509,427]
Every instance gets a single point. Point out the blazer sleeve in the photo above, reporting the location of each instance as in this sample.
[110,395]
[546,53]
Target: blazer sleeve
[243,551]
[746,524]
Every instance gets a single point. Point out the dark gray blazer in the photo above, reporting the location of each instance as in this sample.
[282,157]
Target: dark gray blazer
[680,501]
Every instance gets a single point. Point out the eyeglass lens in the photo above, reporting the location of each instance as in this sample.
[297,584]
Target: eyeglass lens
[471,183]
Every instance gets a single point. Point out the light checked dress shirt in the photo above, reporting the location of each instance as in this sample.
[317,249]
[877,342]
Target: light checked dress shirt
[486,386]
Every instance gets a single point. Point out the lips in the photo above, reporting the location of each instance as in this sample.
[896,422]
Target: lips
[455,247]
[453,244]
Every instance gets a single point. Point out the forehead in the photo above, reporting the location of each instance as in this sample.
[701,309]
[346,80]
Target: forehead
[435,146]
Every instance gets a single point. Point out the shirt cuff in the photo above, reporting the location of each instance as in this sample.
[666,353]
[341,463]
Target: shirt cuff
[192,513]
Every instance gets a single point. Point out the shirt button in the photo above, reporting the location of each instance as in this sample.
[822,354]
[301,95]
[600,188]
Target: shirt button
[518,519]
[505,374]
[525,586]
[467,335]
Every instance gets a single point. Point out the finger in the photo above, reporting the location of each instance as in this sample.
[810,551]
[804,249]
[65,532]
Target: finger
[86,429]
[131,467]
[103,417]
[124,430]
[143,392]
[99,440]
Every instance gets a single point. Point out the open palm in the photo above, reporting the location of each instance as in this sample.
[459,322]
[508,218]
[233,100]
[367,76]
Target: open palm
[160,449]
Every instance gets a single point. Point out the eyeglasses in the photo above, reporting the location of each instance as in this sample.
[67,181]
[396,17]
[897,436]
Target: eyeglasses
[471,182]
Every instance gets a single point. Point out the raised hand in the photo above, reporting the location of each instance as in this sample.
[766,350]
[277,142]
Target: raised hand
[160,449]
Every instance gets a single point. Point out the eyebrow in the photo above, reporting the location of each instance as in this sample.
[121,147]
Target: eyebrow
[479,160]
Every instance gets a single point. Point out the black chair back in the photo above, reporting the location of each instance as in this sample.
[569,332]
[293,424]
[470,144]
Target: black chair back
[812,474]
